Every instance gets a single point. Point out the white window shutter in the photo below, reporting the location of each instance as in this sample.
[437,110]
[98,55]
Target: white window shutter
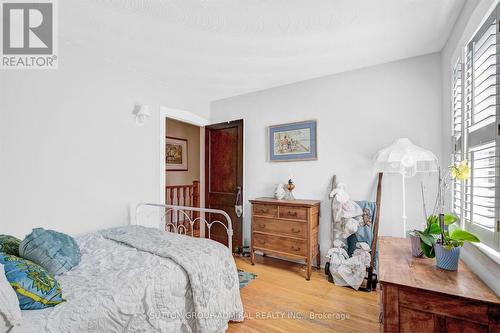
[475,132]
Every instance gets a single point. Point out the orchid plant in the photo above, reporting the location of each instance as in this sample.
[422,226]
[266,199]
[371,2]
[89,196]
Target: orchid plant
[442,227]
[460,171]
[431,233]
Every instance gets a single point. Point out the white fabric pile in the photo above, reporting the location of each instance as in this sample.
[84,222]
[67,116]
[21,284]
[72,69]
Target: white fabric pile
[346,213]
[349,271]
[347,216]
[10,313]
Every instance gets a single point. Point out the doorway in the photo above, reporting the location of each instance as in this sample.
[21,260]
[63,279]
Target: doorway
[220,169]
[182,172]
[224,177]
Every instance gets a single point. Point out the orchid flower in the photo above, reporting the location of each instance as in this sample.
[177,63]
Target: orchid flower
[460,171]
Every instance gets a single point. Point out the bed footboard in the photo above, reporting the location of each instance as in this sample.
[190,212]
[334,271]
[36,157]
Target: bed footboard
[182,220]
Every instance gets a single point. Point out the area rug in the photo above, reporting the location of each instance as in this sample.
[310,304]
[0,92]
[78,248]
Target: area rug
[245,277]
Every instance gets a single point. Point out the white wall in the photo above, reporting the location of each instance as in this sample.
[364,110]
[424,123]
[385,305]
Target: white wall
[191,133]
[358,113]
[469,21]
[71,156]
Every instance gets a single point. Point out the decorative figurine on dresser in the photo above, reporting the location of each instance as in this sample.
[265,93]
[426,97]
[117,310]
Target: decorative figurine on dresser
[286,228]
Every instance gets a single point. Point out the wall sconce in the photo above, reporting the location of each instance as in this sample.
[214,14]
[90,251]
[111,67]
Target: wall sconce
[142,115]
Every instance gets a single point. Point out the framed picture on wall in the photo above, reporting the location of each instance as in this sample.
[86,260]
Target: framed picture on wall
[293,142]
[176,152]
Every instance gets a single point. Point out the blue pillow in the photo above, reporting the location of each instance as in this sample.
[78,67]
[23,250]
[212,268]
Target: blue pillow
[9,245]
[54,251]
[34,287]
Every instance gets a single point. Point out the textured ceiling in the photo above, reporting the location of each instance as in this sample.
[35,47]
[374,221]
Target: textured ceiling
[213,49]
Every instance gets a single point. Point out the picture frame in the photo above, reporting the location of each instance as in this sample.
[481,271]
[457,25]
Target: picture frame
[293,142]
[176,154]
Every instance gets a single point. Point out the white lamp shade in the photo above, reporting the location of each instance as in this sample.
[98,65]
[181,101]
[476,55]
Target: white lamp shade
[405,158]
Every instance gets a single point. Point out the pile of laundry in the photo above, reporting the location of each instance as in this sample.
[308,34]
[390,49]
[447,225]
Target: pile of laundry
[350,255]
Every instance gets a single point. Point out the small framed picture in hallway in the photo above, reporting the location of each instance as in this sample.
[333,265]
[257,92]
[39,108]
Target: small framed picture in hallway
[176,154]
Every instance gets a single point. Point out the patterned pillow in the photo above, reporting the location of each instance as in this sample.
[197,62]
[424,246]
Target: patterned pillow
[54,251]
[9,245]
[35,288]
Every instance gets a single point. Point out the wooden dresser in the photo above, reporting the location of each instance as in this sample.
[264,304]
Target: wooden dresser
[286,228]
[419,297]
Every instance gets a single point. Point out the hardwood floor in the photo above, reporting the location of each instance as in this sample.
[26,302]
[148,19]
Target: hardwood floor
[281,292]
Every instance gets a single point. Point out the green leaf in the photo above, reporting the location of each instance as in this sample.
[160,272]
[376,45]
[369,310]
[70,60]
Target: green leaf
[432,219]
[428,250]
[450,219]
[434,229]
[460,235]
[427,239]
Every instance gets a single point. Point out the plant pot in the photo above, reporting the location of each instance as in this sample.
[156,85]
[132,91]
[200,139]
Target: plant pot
[447,259]
[416,249]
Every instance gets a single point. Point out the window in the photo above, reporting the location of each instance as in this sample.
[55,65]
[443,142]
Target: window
[476,130]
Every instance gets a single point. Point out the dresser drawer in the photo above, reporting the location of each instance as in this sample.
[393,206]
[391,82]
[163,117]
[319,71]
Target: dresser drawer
[281,244]
[444,305]
[295,213]
[265,210]
[280,227]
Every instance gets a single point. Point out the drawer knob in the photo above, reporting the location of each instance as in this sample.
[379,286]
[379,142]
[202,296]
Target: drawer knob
[292,213]
[262,242]
[295,248]
[264,211]
[295,231]
[262,225]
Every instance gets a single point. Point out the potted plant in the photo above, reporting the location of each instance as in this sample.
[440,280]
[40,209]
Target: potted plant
[442,237]
[416,247]
[448,248]
[423,241]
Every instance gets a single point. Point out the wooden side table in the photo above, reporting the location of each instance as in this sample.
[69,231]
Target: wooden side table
[419,297]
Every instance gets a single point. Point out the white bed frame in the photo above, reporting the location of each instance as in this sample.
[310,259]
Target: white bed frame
[149,210]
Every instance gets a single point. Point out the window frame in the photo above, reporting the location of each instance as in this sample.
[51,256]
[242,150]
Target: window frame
[457,141]
[464,143]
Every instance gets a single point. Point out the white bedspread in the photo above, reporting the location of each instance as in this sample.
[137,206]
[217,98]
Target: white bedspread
[210,266]
[117,288]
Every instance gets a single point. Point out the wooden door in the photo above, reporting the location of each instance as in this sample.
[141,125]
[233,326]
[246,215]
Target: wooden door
[224,177]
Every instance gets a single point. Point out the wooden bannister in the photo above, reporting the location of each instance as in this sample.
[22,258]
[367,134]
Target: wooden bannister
[183,195]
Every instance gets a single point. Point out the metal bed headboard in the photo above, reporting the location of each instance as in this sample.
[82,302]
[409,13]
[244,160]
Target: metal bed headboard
[191,219]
